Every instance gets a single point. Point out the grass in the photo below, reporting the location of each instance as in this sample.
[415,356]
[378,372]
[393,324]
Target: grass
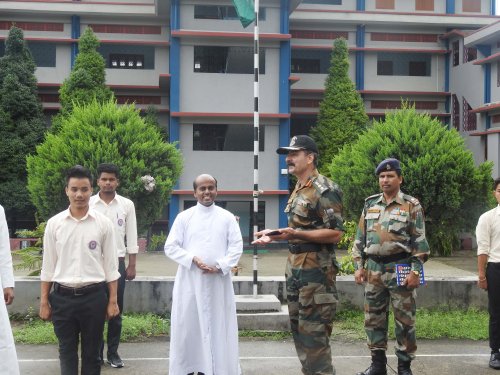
[439,323]
[136,327]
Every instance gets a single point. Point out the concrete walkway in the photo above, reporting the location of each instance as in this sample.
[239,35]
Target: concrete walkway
[257,357]
[272,263]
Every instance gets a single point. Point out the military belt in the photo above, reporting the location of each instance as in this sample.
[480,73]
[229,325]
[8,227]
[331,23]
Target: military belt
[388,258]
[298,248]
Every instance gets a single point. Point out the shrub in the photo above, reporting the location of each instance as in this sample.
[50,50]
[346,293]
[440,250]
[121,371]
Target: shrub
[103,132]
[436,167]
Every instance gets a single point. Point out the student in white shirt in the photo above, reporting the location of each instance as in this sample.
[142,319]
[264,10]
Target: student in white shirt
[121,212]
[488,262]
[80,262]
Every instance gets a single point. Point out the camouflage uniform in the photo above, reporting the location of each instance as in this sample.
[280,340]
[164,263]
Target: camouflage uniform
[310,276]
[391,229]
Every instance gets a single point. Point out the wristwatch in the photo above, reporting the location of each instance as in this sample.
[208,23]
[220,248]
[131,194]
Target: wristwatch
[416,273]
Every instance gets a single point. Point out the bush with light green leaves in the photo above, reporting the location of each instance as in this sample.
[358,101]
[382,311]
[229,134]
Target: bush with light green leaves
[106,133]
[436,166]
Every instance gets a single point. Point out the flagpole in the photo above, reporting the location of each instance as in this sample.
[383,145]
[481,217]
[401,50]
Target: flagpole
[256,139]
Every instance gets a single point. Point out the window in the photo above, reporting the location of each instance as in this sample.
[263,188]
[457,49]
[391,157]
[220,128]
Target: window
[310,61]
[384,4]
[469,118]
[418,68]
[470,54]
[424,5]
[384,68]
[232,60]
[124,61]
[225,137]
[404,64]
[43,53]
[456,112]
[471,5]
[221,12]
[128,56]
[456,53]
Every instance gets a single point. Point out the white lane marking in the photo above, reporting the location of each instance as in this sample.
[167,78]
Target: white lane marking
[275,358]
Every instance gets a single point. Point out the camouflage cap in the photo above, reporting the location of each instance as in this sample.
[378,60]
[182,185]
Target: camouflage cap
[299,142]
[386,165]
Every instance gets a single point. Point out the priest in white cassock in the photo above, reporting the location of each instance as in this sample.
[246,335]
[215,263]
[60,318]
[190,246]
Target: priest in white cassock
[206,242]
[8,356]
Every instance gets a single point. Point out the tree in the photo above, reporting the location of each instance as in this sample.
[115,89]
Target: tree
[437,169]
[103,132]
[22,126]
[87,80]
[342,114]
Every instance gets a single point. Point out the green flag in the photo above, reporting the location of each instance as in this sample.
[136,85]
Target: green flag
[245,10]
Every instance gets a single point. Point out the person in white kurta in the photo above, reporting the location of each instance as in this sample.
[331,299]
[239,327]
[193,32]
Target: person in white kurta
[206,242]
[8,356]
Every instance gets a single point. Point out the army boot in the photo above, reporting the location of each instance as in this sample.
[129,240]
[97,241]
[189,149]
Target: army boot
[378,366]
[404,367]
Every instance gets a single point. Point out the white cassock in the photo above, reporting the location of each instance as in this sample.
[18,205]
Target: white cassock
[204,329]
[8,356]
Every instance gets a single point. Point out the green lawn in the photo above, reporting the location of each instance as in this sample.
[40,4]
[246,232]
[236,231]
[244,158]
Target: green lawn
[431,324]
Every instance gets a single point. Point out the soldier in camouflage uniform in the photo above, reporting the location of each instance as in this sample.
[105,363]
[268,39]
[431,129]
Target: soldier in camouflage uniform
[391,231]
[315,225]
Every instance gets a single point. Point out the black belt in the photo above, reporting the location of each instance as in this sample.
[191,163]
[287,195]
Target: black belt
[298,248]
[388,258]
[68,291]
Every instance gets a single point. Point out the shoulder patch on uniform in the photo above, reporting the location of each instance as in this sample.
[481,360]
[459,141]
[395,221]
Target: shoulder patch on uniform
[373,196]
[413,200]
[320,186]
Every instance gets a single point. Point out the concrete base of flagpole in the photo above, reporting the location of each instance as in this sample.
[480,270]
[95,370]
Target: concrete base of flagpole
[261,312]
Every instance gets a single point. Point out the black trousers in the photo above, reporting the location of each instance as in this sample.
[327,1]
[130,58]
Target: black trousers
[79,318]
[493,278]
[115,324]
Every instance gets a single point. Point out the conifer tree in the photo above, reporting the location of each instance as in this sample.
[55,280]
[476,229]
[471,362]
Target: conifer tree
[87,80]
[22,126]
[342,116]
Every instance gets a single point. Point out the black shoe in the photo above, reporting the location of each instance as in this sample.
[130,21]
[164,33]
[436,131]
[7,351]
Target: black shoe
[114,360]
[404,367]
[378,366]
[101,361]
[495,361]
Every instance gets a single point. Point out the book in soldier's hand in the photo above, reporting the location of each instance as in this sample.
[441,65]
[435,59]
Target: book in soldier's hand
[402,270]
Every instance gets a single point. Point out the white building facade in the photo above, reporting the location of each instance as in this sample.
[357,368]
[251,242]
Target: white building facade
[193,61]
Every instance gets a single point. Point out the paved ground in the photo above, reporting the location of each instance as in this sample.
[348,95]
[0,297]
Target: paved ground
[272,263]
[435,357]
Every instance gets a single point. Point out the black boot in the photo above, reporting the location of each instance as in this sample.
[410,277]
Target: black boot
[404,367]
[378,366]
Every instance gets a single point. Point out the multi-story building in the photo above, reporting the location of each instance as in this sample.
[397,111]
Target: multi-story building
[193,61]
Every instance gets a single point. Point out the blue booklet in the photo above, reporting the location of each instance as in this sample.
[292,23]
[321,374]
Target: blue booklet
[402,270]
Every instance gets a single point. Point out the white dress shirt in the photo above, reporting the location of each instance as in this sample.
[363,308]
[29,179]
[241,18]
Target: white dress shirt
[121,211]
[79,252]
[488,235]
